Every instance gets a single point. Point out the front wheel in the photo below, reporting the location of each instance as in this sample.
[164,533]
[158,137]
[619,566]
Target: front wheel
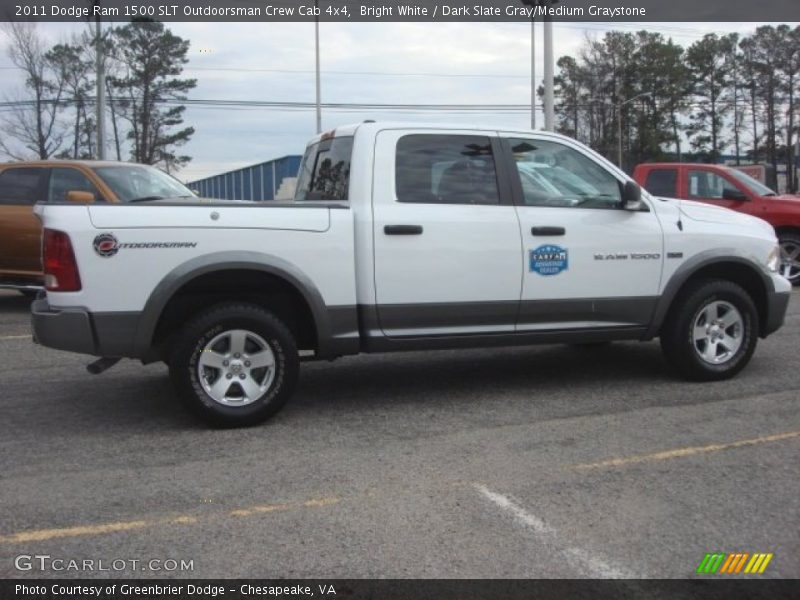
[790,256]
[711,332]
[234,365]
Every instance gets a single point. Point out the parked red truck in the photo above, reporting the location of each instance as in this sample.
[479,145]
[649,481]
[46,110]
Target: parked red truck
[728,187]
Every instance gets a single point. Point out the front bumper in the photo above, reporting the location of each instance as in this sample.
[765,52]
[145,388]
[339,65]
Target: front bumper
[777,305]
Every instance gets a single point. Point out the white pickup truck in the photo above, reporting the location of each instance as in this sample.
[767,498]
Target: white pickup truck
[405,238]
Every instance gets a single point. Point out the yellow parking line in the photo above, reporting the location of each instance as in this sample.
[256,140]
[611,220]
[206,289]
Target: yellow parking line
[15,337]
[49,534]
[40,535]
[681,452]
[268,508]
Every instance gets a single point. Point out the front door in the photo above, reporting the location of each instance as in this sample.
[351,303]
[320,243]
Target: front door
[447,244]
[588,262]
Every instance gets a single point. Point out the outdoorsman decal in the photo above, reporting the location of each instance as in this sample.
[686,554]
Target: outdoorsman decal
[549,260]
[106,245]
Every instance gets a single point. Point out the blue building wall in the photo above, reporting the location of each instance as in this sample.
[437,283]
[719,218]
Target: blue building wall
[256,182]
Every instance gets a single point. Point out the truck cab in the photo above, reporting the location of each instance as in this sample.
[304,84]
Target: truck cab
[730,188]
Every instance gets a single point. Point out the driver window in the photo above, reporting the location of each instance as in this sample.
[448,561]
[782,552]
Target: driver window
[552,174]
[706,184]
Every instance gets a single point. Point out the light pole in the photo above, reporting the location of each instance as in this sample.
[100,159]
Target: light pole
[533,74]
[549,96]
[316,47]
[549,100]
[101,90]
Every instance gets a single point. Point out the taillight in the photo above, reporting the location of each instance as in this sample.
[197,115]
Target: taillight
[60,269]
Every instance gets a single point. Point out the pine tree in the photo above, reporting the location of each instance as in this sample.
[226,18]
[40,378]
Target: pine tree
[152,58]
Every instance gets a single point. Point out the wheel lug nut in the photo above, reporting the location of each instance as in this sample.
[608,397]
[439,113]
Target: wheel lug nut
[242,376]
[247,363]
[225,363]
[229,375]
[236,355]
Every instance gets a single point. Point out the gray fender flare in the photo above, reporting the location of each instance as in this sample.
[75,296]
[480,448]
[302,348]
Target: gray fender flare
[225,261]
[692,266]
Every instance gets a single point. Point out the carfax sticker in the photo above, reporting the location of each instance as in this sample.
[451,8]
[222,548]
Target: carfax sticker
[549,260]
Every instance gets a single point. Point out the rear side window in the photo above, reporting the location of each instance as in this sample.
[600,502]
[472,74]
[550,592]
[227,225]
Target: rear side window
[69,180]
[325,170]
[445,169]
[24,185]
[662,182]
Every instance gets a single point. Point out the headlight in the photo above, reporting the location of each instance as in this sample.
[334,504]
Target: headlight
[774,259]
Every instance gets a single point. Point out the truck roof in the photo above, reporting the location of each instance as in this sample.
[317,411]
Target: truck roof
[58,162]
[374,126]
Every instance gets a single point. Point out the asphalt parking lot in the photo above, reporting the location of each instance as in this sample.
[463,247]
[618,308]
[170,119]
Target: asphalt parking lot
[514,463]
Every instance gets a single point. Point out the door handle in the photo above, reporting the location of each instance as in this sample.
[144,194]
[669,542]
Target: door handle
[548,231]
[402,229]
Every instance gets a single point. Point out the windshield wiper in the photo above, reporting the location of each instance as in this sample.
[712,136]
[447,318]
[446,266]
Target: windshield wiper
[147,199]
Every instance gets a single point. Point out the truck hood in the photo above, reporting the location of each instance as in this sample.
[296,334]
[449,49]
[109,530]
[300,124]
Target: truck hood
[789,201]
[699,211]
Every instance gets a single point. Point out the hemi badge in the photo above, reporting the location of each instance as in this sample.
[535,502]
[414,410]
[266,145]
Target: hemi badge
[674,254]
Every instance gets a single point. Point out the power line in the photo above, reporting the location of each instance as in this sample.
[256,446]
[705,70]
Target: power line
[342,107]
[366,73]
[334,72]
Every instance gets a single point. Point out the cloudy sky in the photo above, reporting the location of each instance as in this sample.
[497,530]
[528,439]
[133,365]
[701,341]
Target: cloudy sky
[413,63]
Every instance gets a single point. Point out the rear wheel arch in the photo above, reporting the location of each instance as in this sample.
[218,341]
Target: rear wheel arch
[203,282]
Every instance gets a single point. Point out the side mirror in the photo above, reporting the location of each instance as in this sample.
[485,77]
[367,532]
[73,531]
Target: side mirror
[631,196]
[733,194]
[79,197]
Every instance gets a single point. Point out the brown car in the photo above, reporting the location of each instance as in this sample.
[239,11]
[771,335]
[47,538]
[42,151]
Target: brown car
[23,184]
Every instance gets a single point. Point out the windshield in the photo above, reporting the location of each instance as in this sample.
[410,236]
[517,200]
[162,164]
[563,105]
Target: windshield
[138,182]
[754,185]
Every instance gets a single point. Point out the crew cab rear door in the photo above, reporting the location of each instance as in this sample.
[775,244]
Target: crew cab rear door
[446,236]
[588,263]
[20,230]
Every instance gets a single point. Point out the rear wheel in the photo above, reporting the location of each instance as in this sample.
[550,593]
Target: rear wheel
[790,256]
[235,364]
[712,331]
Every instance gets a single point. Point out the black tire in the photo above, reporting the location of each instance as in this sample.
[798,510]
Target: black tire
[678,342]
[262,326]
[790,243]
